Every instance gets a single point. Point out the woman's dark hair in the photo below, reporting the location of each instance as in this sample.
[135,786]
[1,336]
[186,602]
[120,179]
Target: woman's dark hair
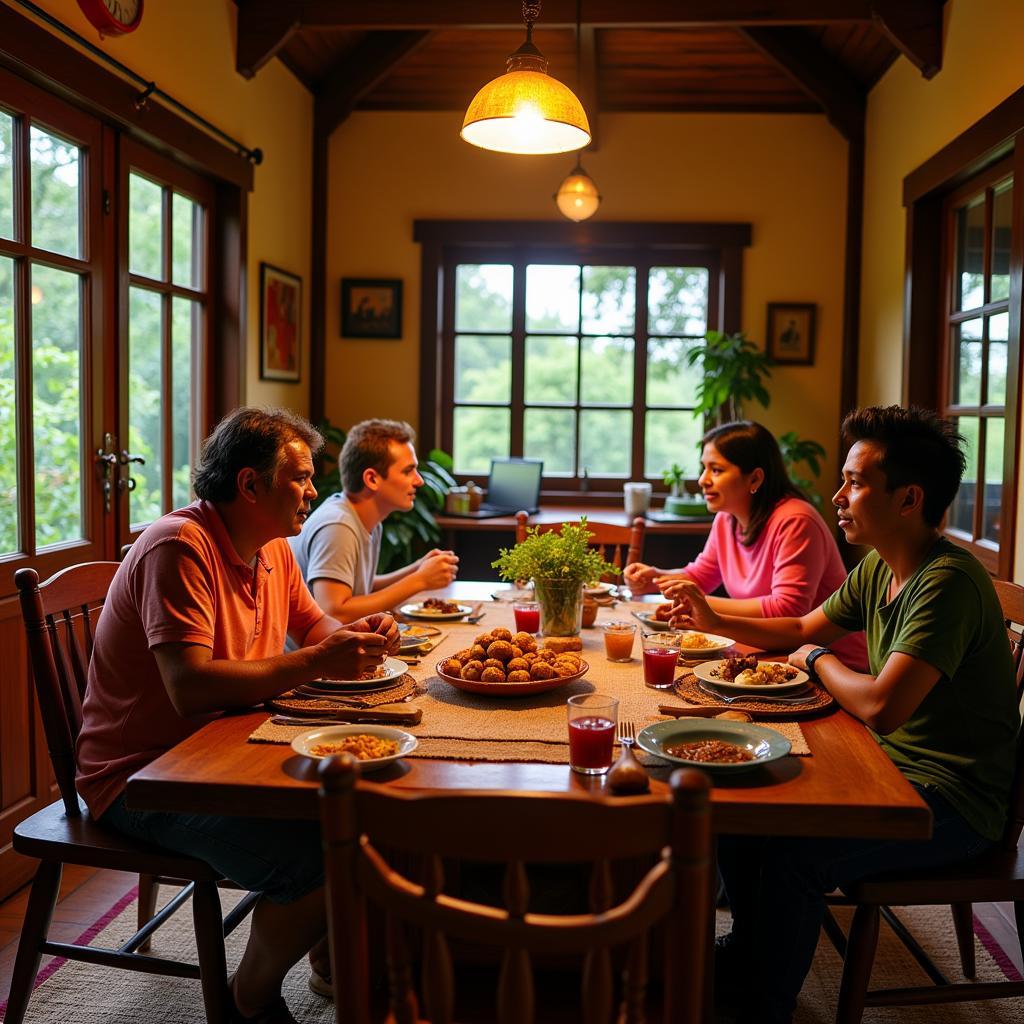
[918,447]
[248,438]
[749,445]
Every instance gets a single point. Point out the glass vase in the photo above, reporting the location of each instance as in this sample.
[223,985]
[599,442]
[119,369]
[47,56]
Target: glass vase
[561,606]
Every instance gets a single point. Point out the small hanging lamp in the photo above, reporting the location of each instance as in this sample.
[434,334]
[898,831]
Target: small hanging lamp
[577,197]
[525,110]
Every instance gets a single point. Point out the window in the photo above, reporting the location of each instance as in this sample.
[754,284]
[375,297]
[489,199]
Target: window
[977,320]
[575,355]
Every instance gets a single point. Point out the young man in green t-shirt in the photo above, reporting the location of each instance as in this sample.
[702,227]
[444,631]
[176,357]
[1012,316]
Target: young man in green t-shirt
[939,697]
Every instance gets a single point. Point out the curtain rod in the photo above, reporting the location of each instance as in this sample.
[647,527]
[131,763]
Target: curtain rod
[148,88]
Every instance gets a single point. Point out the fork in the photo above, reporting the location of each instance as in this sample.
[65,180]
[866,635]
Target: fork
[626,734]
[705,689]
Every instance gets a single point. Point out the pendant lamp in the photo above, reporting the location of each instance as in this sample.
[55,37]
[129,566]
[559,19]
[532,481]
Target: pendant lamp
[525,110]
[577,197]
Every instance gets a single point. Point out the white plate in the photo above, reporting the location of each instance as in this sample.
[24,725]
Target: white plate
[716,643]
[393,668]
[599,589]
[706,670]
[417,611]
[305,741]
[648,619]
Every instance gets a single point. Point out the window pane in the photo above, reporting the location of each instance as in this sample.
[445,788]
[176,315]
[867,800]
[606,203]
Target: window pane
[479,436]
[483,297]
[145,234]
[56,404]
[609,300]
[552,298]
[677,300]
[606,441]
[970,255]
[144,420]
[55,194]
[184,331]
[8,419]
[185,241]
[551,370]
[6,177]
[483,369]
[672,437]
[550,435]
[967,366]
[607,371]
[1002,225]
[961,512]
[998,328]
[995,432]
[670,378]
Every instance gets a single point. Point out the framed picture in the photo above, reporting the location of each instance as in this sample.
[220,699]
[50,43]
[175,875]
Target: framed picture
[280,323]
[371,308]
[791,332]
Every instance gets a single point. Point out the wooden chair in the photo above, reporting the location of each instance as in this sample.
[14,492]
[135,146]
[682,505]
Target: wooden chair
[60,617]
[624,544]
[997,875]
[515,829]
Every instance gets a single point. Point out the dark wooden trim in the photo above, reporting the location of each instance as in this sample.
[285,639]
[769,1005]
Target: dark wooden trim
[262,29]
[985,142]
[226,355]
[318,279]
[848,383]
[38,56]
[730,289]
[922,307]
[431,284]
[914,27]
[587,86]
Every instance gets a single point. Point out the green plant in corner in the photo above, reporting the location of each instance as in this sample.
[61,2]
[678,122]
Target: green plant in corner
[797,450]
[733,370]
[673,478]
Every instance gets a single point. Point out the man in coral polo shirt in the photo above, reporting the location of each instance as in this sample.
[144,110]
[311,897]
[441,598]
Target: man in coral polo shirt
[194,625]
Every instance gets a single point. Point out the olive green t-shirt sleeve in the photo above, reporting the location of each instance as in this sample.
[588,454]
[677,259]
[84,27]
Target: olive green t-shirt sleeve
[845,607]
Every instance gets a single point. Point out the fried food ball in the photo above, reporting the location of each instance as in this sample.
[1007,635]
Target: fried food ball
[564,669]
[478,651]
[484,639]
[572,659]
[530,657]
[519,676]
[494,663]
[518,665]
[492,675]
[500,649]
[517,652]
[452,667]
[526,641]
[542,670]
[464,655]
[501,633]
[548,656]
[472,669]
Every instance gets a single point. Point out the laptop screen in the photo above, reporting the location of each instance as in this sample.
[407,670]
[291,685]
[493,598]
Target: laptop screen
[514,483]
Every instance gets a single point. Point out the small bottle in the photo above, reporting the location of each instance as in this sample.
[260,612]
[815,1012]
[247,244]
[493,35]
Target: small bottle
[476,495]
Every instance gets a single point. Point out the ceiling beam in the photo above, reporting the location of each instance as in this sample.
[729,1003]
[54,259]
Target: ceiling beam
[816,72]
[262,30]
[358,72]
[587,72]
[914,27]
[417,14]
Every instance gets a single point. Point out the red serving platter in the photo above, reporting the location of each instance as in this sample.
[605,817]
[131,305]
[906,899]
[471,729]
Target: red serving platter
[510,689]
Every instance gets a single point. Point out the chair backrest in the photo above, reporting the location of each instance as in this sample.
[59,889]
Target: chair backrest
[60,618]
[516,829]
[619,545]
[1011,600]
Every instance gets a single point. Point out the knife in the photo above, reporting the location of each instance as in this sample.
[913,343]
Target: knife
[378,716]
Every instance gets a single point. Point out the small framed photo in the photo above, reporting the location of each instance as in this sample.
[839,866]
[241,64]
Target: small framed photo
[790,335]
[280,323]
[371,307]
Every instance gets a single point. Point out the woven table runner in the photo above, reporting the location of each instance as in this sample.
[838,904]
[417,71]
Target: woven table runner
[458,725]
[295,702]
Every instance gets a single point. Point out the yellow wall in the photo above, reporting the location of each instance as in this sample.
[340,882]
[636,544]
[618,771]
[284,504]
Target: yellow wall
[188,48]
[786,174]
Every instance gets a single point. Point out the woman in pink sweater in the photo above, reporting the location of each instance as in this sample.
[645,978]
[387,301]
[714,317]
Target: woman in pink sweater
[768,545]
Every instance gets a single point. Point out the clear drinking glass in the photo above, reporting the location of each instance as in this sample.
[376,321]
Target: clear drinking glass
[661,654]
[618,640]
[592,721]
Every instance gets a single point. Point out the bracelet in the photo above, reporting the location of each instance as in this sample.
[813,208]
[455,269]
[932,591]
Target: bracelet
[812,658]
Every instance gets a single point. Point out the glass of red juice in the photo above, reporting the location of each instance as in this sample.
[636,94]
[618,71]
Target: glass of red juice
[661,653]
[592,720]
[527,615]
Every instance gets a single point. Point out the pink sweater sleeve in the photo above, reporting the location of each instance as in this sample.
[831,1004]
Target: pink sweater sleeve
[799,557]
[706,569]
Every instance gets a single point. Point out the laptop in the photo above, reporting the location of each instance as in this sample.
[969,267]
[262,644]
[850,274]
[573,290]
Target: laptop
[513,486]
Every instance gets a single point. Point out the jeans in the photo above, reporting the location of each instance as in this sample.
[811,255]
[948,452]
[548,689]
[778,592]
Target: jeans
[777,889]
[281,859]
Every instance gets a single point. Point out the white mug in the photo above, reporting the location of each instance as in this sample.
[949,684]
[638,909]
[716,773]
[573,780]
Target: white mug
[637,495]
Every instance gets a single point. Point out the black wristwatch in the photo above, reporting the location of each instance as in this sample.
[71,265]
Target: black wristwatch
[812,658]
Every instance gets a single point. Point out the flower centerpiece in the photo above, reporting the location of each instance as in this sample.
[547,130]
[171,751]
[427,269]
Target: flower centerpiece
[559,562]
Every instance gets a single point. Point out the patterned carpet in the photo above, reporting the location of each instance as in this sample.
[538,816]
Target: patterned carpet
[74,993]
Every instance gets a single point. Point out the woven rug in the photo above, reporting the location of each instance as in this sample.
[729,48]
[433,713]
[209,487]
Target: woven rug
[74,993]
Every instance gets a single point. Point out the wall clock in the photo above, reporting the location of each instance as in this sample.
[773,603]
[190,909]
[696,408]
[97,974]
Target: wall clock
[113,17]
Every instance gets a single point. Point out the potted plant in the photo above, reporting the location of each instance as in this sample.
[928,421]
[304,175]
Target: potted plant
[559,562]
[682,498]
[733,371]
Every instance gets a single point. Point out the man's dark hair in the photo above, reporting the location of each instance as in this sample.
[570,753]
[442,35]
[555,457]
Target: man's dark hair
[368,446]
[749,445]
[918,447]
[248,438]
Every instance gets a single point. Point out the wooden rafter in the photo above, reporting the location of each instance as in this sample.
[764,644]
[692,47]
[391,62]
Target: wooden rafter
[262,30]
[914,27]
[803,59]
[587,90]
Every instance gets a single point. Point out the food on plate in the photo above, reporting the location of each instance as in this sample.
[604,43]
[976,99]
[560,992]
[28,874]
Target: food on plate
[362,745]
[501,657]
[697,641]
[561,644]
[663,612]
[734,666]
[717,751]
[440,606]
[748,671]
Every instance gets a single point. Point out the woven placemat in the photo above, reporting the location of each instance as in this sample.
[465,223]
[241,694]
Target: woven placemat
[295,703]
[687,688]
